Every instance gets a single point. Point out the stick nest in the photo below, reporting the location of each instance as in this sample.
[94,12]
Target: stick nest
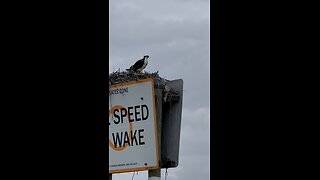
[119,77]
[126,76]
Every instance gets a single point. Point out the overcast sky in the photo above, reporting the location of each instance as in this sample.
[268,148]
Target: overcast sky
[175,33]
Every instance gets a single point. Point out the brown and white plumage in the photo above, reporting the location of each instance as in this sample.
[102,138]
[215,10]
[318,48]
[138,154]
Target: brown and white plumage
[139,65]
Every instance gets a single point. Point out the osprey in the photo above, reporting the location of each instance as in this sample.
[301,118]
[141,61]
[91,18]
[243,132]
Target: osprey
[139,65]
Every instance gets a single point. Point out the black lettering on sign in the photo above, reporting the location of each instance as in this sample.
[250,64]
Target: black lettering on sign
[126,139]
[145,112]
[121,139]
[117,141]
[136,110]
[117,120]
[133,137]
[141,137]
[119,91]
[130,114]
[123,114]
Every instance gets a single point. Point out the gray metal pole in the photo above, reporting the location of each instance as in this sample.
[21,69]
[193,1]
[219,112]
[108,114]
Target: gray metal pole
[110,177]
[156,174]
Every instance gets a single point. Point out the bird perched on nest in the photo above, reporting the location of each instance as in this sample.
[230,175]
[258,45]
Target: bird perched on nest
[139,65]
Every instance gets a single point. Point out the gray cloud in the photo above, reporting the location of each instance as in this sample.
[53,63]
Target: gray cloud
[176,35]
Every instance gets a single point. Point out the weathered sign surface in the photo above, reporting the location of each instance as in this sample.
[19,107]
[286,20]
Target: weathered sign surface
[133,143]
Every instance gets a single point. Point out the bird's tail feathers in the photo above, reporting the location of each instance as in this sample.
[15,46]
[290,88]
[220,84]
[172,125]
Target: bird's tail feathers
[130,69]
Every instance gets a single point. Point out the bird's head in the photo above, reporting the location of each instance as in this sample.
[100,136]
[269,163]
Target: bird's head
[146,56]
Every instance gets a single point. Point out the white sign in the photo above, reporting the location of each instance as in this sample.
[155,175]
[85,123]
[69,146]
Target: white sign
[133,143]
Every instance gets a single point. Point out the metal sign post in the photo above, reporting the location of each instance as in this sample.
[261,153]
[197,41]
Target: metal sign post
[154,174]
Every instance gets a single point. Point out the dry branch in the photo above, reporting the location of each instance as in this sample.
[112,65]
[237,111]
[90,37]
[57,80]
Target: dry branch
[119,77]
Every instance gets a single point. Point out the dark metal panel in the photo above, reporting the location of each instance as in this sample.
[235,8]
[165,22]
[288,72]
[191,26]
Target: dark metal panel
[171,127]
